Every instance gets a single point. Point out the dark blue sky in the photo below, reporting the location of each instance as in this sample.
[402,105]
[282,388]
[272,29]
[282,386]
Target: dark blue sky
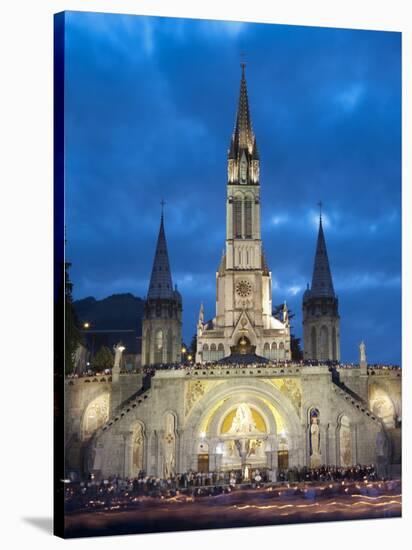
[150,107]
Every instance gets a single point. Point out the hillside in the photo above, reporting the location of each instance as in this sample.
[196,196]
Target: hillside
[117,317]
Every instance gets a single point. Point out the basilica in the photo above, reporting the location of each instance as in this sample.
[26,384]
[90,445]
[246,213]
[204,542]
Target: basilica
[243,402]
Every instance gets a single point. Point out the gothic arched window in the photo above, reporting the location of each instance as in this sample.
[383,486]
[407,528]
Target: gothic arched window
[147,347]
[220,351]
[324,343]
[206,353]
[248,218]
[158,351]
[334,347]
[313,344]
[169,349]
[274,351]
[237,218]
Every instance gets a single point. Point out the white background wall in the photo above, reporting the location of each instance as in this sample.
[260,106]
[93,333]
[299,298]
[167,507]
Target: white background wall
[26,272]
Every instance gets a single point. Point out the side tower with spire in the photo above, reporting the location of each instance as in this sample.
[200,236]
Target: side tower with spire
[321,339]
[162,320]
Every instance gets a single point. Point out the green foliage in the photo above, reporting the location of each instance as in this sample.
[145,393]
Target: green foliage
[103,359]
[295,349]
[193,345]
[73,336]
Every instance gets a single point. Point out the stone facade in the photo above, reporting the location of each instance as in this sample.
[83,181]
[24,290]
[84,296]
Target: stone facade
[269,413]
[179,422]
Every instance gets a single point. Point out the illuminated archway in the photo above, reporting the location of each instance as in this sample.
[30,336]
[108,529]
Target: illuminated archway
[381,404]
[95,415]
[273,415]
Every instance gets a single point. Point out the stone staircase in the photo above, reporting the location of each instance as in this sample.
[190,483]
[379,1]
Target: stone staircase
[134,401]
[355,401]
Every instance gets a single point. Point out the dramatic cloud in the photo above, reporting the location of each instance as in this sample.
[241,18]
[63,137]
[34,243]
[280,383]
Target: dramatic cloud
[150,107]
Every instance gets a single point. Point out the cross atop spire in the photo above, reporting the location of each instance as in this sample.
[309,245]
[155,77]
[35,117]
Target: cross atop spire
[322,284]
[161,279]
[243,62]
[320,210]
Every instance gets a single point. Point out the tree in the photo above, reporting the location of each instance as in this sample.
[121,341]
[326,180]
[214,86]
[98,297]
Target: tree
[103,359]
[73,336]
[193,346]
[295,348]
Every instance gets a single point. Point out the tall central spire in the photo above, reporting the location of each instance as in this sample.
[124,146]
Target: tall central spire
[161,279]
[243,130]
[243,138]
[322,284]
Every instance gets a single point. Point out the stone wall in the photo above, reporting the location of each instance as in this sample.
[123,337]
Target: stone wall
[80,394]
[190,399]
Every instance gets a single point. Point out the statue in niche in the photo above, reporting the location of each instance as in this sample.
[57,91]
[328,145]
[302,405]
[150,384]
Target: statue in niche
[314,439]
[346,453]
[138,442]
[381,445]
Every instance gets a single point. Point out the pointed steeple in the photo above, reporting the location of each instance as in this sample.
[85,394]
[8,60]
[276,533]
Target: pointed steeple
[322,284]
[201,314]
[161,285]
[285,314]
[243,137]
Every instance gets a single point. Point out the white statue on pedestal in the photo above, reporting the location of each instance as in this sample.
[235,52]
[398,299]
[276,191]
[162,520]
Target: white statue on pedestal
[362,352]
[314,442]
[314,434]
[118,350]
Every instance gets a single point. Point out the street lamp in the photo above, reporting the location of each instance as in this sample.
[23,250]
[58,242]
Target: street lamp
[86,326]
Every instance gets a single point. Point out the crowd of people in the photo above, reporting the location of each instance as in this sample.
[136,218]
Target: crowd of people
[192,367]
[105,372]
[198,484]
[383,367]
[329,473]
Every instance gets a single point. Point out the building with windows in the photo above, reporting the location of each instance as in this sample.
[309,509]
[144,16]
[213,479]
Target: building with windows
[244,404]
